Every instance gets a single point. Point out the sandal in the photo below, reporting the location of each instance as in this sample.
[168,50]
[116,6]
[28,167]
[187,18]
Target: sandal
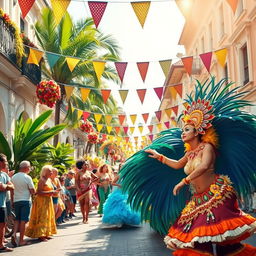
[13,241]
[5,249]
[25,243]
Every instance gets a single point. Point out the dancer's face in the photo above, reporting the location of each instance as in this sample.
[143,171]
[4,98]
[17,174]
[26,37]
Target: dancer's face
[188,133]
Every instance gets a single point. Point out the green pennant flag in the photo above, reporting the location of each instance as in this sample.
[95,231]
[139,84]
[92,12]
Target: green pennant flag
[52,58]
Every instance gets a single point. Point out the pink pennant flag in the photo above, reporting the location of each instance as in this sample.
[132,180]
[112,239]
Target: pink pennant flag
[167,124]
[85,115]
[158,115]
[141,94]
[150,128]
[97,10]
[151,136]
[120,68]
[206,59]
[143,68]
[125,129]
[159,92]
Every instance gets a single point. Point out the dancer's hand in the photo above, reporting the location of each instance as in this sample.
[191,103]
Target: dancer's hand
[153,153]
[178,187]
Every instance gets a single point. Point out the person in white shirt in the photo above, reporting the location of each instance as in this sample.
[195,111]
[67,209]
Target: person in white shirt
[24,188]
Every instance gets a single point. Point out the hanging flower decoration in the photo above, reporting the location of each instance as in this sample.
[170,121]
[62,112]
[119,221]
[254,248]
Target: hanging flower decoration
[48,92]
[86,126]
[93,137]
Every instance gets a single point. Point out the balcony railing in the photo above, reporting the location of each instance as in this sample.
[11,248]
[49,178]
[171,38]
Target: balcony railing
[31,71]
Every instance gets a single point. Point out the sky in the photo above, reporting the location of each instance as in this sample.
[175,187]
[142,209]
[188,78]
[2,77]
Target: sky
[158,40]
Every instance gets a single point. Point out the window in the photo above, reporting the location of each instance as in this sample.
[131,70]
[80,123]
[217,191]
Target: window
[22,25]
[245,65]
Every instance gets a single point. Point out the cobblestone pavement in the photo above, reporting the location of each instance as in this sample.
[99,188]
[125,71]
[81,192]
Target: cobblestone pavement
[75,239]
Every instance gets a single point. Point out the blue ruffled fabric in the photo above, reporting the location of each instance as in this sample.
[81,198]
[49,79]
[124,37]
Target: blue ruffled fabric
[117,212]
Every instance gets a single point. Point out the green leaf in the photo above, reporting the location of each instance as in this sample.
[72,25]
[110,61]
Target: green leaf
[4,147]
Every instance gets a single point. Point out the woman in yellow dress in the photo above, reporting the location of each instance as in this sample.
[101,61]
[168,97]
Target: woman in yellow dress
[42,221]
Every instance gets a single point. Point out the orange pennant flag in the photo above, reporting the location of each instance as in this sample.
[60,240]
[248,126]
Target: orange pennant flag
[97,117]
[185,104]
[132,130]
[108,119]
[72,62]
[143,69]
[133,118]
[117,128]
[145,117]
[99,127]
[105,94]
[34,56]
[123,94]
[141,93]
[150,128]
[99,67]
[141,10]
[109,129]
[127,139]
[165,65]
[69,91]
[84,93]
[175,109]
[121,119]
[25,6]
[233,4]
[221,56]
[59,8]
[188,62]
[168,112]
[178,88]
[173,92]
[140,129]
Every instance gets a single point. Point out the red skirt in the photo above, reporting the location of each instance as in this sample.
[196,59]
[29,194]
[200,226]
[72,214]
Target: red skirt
[212,216]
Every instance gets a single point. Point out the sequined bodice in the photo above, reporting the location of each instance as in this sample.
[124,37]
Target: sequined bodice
[192,164]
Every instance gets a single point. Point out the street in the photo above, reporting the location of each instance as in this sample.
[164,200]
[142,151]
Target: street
[75,239]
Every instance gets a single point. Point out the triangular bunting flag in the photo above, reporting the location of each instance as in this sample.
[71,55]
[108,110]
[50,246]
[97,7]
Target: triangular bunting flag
[121,119]
[25,6]
[84,93]
[178,88]
[117,128]
[109,128]
[108,119]
[221,56]
[158,115]
[99,67]
[233,4]
[167,124]
[127,139]
[72,62]
[174,123]
[143,68]
[141,11]
[145,117]
[165,65]
[175,110]
[72,109]
[123,95]
[125,129]
[99,127]
[97,117]
[168,112]
[136,139]
[159,92]
[133,118]
[52,58]
[140,128]
[59,8]
[141,93]
[206,59]
[159,127]
[105,94]
[173,92]
[150,128]
[85,115]
[34,56]
[132,130]
[120,68]
[79,113]
[188,63]
[69,91]
[185,104]
[97,10]
[151,137]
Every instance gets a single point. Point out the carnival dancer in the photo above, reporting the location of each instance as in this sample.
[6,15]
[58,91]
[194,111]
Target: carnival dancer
[116,211]
[219,141]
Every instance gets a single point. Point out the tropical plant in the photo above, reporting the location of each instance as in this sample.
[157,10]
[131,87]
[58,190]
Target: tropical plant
[80,40]
[28,137]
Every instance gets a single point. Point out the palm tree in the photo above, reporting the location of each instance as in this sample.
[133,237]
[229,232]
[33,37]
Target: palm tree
[78,40]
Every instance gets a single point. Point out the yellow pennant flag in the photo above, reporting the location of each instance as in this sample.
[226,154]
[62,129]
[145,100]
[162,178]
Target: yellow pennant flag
[97,117]
[185,104]
[159,127]
[165,65]
[141,11]
[108,119]
[79,113]
[168,112]
[59,8]
[72,62]
[34,56]
[84,93]
[132,130]
[173,92]
[69,91]
[99,127]
[221,56]
[123,95]
[99,67]
[140,128]
[72,109]
[133,118]
[109,129]
[174,123]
